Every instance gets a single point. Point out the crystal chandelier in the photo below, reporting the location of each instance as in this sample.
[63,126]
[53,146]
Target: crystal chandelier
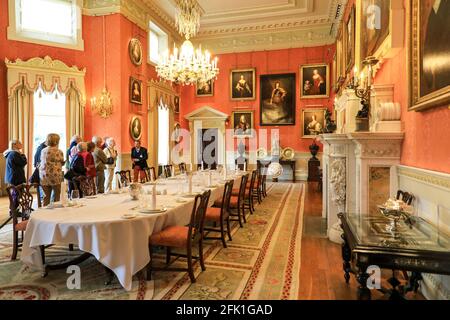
[187,66]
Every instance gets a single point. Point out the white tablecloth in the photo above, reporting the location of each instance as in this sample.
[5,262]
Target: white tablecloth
[98,228]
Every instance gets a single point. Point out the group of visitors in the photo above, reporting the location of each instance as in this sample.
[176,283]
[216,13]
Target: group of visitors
[95,159]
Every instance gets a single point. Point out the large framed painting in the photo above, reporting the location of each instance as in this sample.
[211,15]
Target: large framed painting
[242,122]
[205,89]
[176,104]
[313,121]
[350,43]
[429,54]
[315,81]
[136,128]
[375,25]
[277,99]
[135,90]
[135,51]
[242,84]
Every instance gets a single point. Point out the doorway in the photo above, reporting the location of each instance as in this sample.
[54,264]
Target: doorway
[208,142]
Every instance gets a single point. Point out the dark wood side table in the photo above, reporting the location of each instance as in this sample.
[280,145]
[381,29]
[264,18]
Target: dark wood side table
[292,165]
[314,170]
[418,247]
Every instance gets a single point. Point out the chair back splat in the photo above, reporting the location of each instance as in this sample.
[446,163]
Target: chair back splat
[198,216]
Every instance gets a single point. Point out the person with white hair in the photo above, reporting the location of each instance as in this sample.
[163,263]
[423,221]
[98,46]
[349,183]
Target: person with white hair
[15,163]
[100,161]
[111,154]
[72,151]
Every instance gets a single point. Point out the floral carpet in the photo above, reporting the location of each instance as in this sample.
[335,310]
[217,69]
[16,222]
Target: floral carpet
[261,262]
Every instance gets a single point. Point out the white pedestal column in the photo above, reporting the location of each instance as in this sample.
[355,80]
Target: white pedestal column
[338,164]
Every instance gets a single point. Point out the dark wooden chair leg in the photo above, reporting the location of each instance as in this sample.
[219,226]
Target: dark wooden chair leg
[222,234]
[42,249]
[15,245]
[229,229]
[168,255]
[243,213]
[190,266]
[149,266]
[200,254]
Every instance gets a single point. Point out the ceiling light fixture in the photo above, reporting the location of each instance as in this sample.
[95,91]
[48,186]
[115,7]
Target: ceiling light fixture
[187,66]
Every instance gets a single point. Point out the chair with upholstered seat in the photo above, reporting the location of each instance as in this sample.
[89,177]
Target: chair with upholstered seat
[220,216]
[21,207]
[182,168]
[406,197]
[183,237]
[168,170]
[237,208]
[249,189]
[150,173]
[124,178]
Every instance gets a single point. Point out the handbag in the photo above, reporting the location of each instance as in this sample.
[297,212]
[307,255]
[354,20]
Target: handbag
[110,160]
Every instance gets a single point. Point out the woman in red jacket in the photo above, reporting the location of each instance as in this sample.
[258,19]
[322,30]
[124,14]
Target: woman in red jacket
[89,163]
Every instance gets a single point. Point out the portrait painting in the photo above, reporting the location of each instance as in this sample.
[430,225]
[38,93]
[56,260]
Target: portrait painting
[177,132]
[135,90]
[135,51]
[176,104]
[242,83]
[375,25]
[350,44]
[205,89]
[315,81]
[313,122]
[242,123]
[135,128]
[277,102]
[430,52]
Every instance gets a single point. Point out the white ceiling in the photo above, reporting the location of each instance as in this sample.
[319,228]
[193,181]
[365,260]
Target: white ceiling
[248,25]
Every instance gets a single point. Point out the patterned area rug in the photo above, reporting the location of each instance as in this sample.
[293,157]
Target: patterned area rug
[262,262]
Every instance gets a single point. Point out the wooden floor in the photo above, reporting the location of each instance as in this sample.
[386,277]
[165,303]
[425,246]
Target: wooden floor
[321,275]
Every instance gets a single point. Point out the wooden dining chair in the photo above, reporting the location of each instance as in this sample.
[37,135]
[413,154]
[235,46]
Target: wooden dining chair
[220,216]
[406,197]
[182,168]
[263,171]
[124,177]
[21,208]
[151,172]
[85,185]
[248,198]
[168,170]
[237,208]
[258,188]
[183,237]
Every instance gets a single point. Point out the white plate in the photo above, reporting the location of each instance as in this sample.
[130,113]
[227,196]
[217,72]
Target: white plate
[129,216]
[187,195]
[91,197]
[150,211]
[181,201]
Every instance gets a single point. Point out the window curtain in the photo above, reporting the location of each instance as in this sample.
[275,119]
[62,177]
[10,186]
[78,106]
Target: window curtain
[74,113]
[20,120]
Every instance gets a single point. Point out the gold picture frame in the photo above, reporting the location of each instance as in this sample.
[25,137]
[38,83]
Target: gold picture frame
[310,124]
[422,95]
[136,128]
[202,92]
[135,91]
[308,87]
[349,31]
[243,129]
[243,84]
[135,51]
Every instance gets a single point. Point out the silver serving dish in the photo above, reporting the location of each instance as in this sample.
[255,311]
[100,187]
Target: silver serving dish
[135,190]
[395,215]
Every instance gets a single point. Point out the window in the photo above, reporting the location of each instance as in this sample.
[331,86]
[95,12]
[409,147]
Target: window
[49,117]
[163,135]
[158,43]
[48,22]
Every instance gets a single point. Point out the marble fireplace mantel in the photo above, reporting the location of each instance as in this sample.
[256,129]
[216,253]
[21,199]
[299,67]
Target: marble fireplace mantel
[350,161]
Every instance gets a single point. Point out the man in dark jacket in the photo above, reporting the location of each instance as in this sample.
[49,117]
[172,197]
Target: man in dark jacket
[15,164]
[139,156]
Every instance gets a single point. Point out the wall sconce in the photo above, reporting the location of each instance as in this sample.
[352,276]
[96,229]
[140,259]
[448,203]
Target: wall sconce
[363,87]
[102,106]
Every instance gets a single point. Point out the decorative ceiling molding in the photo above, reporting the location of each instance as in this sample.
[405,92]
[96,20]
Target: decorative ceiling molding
[139,12]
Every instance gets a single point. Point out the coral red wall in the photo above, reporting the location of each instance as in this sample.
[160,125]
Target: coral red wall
[427,142]
[265,62]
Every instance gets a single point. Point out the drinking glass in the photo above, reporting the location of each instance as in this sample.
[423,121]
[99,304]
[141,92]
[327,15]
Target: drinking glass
[74,196]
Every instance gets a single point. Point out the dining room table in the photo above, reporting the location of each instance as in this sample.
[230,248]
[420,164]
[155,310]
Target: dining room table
[114,227]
